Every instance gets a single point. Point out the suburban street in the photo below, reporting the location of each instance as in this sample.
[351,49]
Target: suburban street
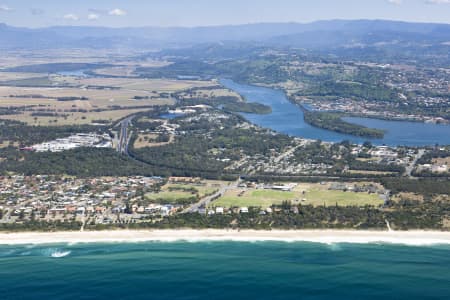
[410,167]
[207,200]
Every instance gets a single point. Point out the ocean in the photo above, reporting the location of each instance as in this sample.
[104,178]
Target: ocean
[224,270]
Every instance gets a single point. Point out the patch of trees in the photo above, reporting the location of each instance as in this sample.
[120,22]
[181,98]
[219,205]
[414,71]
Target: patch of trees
[196,152]
[186,68]
[72,98]
[248,107]
[367,166]
[103,87]
[8,111]
[402,216]
[30,96]
[82,162]
[105,122]
[28,135]
[30,82]
[426,186]
[355,90]
[427,158]
[187,156]
[334,122]
[143,97]
[42,226]
[47,114]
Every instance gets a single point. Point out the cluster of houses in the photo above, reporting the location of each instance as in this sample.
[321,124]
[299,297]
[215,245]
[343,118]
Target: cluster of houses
[399,78]
[280,162]
[236,210]
[286,187]
[60,198]
[386,154]
[358,188]
[433,168]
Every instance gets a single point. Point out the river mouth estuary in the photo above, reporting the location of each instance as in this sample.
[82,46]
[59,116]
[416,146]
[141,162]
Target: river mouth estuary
[288,118]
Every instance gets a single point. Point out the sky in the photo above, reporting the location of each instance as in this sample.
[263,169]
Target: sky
[190,13]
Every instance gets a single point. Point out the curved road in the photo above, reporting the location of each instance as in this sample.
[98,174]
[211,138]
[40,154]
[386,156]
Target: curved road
[208,199]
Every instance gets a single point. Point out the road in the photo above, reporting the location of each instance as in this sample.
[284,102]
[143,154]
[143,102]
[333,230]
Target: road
[124,135]
[288,153]
[410,167]
[204,202]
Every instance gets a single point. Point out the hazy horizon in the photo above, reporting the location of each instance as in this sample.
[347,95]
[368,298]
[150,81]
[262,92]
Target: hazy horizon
[220,25]
[204,13]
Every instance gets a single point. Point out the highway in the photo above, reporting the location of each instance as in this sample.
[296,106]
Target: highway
[124,135]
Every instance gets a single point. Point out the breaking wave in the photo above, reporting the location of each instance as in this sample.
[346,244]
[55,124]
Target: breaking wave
[59,254]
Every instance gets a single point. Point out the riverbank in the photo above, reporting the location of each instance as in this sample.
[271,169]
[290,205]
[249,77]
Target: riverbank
[333,121]
[288,118]
[316,236]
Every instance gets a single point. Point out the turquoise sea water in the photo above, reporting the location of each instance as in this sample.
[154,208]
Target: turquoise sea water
[224,270]
[287,118]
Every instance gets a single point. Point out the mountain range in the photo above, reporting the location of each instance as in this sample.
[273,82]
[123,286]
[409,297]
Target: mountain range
[334,33]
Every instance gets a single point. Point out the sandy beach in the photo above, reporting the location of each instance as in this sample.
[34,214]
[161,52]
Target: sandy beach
[319,236]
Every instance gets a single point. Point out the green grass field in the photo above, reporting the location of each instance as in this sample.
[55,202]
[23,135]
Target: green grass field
[173,197]
[263,198]
[201,190]
[319,197]
[179,193]
[315,196]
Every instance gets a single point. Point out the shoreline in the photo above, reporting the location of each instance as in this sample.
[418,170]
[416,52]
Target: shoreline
[412,238]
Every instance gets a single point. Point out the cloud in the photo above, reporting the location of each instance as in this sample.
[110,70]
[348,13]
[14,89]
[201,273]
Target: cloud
[71,17]
[396,2]
[117,12]
[93,17]
[438,1]
[104,12]
[37,11]
[5,8]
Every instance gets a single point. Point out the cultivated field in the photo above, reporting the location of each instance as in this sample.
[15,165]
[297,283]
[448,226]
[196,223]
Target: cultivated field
[106,94]
[134,84]
[96,98]
[7,76]
[75,118]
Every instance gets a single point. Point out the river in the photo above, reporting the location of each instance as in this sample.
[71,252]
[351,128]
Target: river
[287,118]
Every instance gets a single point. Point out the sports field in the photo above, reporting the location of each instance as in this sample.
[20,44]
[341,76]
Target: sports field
[305,194]
[179,193]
